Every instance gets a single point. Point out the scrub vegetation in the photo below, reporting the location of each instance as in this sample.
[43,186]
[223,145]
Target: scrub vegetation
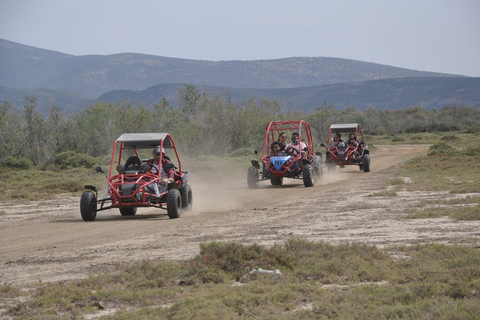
[317,281]
[205,125]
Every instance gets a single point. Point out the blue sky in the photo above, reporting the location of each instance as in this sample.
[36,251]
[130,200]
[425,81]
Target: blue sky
[427,35]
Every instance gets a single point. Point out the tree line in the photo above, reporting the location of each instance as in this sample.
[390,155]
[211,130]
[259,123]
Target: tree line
[200,125]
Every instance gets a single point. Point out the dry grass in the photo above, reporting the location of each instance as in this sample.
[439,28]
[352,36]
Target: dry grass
[453,165]
[318,281]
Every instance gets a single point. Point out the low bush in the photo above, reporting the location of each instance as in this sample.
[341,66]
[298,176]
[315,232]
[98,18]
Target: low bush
[440,149]
[18,163]
[72,159]
[235,260]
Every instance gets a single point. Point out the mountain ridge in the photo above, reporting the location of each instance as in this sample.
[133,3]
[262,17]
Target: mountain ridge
[75,80]
[394,93]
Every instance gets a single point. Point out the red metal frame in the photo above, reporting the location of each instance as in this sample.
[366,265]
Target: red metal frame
[333,151]
[357,130]
[115,181]
[273,129]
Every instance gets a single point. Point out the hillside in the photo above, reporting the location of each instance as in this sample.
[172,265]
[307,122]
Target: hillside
[92,75]
[73,82]
[429,93]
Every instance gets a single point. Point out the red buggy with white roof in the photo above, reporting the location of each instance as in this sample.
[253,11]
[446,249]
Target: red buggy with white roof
[135,184]
[352,151]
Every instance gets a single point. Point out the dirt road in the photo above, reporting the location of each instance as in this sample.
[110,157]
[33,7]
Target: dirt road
[48,241]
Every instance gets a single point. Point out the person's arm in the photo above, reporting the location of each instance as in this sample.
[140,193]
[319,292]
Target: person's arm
[170,175]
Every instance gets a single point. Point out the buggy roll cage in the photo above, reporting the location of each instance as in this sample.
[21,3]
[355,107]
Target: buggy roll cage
[135,141]
[274,128]
[345,128]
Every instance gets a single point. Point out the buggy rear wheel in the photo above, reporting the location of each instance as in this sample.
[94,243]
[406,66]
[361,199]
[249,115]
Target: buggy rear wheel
[252,178]
[128,211]
[366,162]
[174,204]
[88,206]
[276,181]
[187,197]
[308,175]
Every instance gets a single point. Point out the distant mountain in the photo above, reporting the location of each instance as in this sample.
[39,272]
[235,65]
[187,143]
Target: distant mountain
[72,82]
[428,93]
[92,75]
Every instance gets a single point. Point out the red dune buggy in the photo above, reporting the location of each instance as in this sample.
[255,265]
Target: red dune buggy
[352,151]
[297,162]
[136,182]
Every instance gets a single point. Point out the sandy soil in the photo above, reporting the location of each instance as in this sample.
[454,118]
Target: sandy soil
[48,241]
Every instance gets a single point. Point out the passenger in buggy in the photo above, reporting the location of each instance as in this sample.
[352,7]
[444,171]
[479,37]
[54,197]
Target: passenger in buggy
[351,140]
[276,149]
[336,140]
[282,137]
[166,174]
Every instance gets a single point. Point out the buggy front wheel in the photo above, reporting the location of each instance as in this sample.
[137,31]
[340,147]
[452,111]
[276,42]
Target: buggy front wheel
[88,206]
[366,162]
[128,211]
[308,179]
[174,204]
[276,181]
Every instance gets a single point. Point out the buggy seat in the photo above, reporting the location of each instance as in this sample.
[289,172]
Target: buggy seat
[132,165]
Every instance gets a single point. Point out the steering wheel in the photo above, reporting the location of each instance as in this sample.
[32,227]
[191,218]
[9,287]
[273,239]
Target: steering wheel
[291,151]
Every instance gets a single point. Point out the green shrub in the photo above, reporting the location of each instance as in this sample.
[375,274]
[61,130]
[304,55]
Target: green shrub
[472,152]
[218,259]
[396,181]
[472,130]
[72,159]
[7,290]
[18,163]
[440,149]
[449,137]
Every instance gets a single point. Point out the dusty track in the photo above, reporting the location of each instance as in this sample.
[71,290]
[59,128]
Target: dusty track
[50,242]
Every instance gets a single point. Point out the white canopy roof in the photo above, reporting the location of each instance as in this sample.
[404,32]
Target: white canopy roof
[344,126]
[145,140]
